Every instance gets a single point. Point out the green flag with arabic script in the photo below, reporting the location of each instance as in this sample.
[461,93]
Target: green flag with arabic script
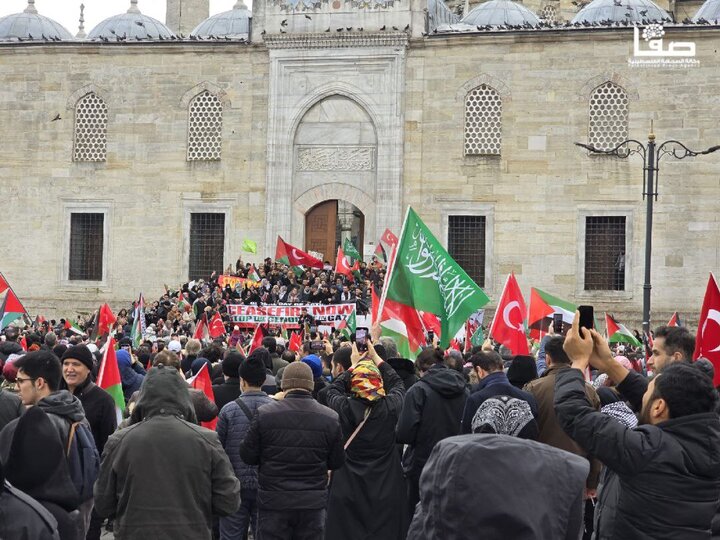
[427,278]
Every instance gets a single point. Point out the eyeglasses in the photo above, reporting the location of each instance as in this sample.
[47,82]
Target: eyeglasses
[21,380]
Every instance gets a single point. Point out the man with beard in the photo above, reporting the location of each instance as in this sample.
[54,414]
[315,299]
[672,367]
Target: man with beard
[668,468]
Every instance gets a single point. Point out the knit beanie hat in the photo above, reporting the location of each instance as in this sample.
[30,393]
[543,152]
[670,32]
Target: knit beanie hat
[366,381]
[298,375]
[252,370]
[80,353]
[522,370]
[264,355]
[315,364]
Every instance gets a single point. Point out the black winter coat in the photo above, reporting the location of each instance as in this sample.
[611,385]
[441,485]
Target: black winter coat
[432,411]
[99,408]
[11,407]
[405,369]
[367,496]
[23,518]
[672,467]
[226,392]
[294,441]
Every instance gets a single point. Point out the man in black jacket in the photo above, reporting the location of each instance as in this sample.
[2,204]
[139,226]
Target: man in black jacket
[11,407]
[229,390]
[432,411]
[669,467]
[295,441]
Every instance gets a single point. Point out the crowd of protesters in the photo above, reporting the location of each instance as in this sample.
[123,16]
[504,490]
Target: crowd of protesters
[338,441]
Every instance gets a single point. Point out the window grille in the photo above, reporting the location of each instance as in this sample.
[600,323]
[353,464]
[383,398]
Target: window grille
[207,244]
[86,246]
[483,121]
[466,244]
[205,128]
[548,13]
[90,129]
[608,116]
[605,253]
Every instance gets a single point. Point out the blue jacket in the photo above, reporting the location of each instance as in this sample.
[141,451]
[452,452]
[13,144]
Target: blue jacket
[131,379]
[233,424]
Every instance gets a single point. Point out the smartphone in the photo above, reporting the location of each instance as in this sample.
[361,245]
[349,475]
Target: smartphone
[361,335]
[431,336]
[558,323]
[587,317]
[313,329]
[317,345]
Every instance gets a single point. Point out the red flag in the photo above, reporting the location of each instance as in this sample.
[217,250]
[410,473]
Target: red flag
[674,320]
[707,342]
[201,329]
[342,266]
[455,345]
[389,238]
[3,284]
[203,382]
[508,328]
[23,343]
[431,322]
[293,256]
[648,347]
[295,342]
[256,339]
[468,337]
[105,320]
[217,328]
[375,304]
[540,315]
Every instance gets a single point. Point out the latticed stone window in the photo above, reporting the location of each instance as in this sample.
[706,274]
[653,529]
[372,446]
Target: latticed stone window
[207,244]
[90,129]
[205,128]
[605,253]
[608,116]
[483,121]
[466,244]
[548,13]
[86,246]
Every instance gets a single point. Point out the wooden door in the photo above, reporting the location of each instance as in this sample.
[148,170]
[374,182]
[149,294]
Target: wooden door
[321,228]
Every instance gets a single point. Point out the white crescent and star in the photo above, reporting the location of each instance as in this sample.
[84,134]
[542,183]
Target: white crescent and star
[713,314]
[506,315]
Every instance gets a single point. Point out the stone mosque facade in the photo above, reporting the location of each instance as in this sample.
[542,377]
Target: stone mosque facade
[144,153]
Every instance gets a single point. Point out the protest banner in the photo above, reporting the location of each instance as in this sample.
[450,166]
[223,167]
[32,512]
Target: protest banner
[248,316]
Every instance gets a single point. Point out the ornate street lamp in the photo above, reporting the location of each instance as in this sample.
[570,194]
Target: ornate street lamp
[651,155]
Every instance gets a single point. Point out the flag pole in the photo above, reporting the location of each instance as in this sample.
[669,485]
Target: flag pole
[391,266]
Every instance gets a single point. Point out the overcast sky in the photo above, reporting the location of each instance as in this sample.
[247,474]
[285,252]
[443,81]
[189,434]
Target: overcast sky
[67,12]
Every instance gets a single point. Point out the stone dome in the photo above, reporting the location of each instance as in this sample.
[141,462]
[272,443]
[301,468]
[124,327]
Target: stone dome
[709,11]
[500,13]
[31,26]
[234,23]
[438,13]
[612,11]
[131,25]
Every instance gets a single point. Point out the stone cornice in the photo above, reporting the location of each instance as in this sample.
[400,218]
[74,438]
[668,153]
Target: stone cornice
[336,41]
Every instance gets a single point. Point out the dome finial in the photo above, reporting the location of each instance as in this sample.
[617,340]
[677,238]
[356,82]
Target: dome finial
[239,5]
[133,7]
[81,28]
[31,7]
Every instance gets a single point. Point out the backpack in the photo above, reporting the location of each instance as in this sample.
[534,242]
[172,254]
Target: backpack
[83,459]
[503,415]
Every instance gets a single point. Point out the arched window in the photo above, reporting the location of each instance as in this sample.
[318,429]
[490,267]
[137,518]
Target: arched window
[483,121]
[204,128]
[90,129]
[608,116]
[548,13]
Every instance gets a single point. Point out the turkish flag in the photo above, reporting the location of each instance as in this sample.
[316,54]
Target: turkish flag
[201,329]
[203,383]
[105,320]
[216,327]
[342,266]
[389,238]
[3,284]
[507,326]
[256,339]
[707,342]
[296,257]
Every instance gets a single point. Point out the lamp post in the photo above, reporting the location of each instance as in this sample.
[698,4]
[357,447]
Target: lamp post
[651,155]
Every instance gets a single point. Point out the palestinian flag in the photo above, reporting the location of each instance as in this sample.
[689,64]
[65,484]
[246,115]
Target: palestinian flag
[397,330]
[675,320]
[380,254]
[11,309]
[253,273]
[348,326]
[109,378]
[3,284]
[541,310]
[618,333]
[73,327]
